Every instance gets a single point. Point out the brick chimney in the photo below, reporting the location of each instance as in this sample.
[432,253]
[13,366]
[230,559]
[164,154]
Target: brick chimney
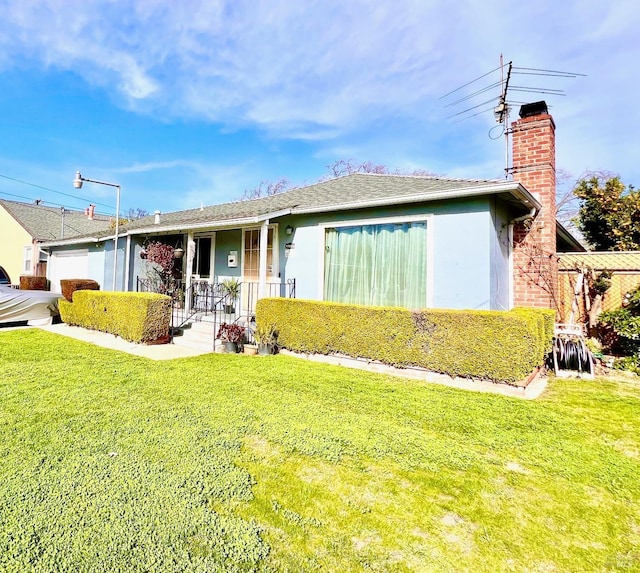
[535,265]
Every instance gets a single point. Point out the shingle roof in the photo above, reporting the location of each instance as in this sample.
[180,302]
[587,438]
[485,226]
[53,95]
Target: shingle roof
[349,192]
[45,223]
[601,261]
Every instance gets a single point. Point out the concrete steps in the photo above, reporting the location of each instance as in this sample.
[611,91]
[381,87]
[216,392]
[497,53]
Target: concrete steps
[197,335]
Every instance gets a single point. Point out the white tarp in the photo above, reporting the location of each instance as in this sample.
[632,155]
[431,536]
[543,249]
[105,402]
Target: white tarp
[34,306]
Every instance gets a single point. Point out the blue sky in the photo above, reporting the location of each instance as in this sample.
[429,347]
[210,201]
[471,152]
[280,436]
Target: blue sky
[193,102]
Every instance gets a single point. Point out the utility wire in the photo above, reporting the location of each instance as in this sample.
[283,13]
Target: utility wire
[18,196]
[40,202]
[83,199]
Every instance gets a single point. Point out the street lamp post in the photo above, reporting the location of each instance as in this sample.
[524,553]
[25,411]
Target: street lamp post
[77,183]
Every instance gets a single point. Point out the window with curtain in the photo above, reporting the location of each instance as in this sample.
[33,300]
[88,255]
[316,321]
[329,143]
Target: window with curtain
[377,265]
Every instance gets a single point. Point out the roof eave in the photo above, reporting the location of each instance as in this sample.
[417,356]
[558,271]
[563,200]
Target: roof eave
[519,192]
[71,241]
[566,236]
[156,229]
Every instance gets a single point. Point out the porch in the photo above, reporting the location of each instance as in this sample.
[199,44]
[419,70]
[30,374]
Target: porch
[210,302]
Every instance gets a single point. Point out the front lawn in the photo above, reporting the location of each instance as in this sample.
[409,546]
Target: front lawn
[110,462]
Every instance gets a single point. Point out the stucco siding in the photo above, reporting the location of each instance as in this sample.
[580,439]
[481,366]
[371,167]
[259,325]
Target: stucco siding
[461,278]
[302,260]
[225,243]
[500,251]
[13,239]
[107,278]
[460,233]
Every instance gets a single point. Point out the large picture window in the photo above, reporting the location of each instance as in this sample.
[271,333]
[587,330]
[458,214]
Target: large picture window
[378,265]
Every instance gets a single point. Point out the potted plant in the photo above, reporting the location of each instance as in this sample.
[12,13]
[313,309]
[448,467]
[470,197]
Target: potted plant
[231,290]
[266,337]
[231,335]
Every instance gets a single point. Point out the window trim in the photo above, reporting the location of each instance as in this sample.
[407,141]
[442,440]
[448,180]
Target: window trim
[275,273]
[423,218]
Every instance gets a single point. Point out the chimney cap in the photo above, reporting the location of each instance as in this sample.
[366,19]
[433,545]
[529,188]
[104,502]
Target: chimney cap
[536,108]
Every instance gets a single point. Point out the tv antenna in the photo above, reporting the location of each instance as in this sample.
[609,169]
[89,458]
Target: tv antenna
[502,104]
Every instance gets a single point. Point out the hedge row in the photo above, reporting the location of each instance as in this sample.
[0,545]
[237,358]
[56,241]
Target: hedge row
[134,316]
[502,346]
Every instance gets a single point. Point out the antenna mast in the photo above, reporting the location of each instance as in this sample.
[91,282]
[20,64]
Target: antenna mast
[501,112]
[501,105]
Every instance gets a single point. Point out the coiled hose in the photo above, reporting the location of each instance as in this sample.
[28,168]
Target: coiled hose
[571,354]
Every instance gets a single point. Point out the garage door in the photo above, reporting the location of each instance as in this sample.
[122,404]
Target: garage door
[68,265]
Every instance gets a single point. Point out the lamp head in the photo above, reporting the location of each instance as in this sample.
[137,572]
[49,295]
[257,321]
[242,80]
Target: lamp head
[77,182]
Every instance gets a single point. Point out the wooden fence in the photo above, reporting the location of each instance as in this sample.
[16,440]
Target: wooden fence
[624,267]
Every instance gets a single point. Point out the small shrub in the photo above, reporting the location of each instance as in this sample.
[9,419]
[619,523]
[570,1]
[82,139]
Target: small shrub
[619,329]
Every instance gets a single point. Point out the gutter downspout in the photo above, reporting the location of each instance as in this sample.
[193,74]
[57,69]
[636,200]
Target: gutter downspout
[526,217]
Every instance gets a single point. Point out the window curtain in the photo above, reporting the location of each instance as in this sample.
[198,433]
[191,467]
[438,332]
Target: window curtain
[377,265]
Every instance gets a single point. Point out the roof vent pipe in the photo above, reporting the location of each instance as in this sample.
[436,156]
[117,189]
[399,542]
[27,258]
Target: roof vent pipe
[156,221]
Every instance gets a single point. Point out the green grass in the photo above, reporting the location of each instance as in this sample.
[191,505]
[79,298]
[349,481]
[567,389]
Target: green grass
[110,462]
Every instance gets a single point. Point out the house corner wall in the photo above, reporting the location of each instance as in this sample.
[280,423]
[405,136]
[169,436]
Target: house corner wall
[535,265]
[13,239]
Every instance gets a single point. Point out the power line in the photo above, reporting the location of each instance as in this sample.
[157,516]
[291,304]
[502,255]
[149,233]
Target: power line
[18,196]
[49,204]
[83,199]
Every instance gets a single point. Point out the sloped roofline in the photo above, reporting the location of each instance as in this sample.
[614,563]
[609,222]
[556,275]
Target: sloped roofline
[209,221]
[518,191]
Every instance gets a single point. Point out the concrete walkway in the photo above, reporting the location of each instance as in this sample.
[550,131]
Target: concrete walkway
[172,351]
[530,392]
[151,351]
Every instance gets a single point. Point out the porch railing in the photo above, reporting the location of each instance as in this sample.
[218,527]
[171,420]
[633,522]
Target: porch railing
[251,290]
[204,299]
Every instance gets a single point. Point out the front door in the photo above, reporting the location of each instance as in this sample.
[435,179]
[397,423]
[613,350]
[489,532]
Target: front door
[202,266]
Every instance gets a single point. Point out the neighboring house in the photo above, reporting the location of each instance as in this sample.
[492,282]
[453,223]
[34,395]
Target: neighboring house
[24,226]
[387,240]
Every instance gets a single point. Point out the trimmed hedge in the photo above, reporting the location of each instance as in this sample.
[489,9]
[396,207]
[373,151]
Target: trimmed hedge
[505,346]
[134,316]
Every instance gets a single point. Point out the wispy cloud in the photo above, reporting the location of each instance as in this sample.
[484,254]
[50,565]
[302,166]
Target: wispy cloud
[329,71]
[154,166]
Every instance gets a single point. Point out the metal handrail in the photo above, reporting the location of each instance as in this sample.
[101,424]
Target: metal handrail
[203,298]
